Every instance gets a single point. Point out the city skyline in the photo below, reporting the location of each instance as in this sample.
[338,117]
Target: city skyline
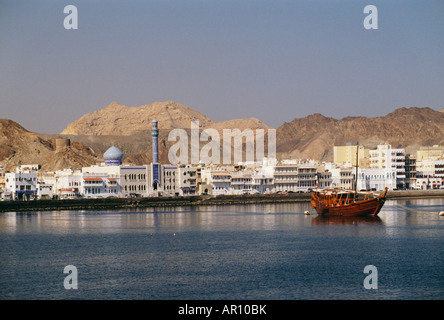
[273,60]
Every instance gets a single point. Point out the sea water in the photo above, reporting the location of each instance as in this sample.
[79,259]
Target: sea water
[262,251]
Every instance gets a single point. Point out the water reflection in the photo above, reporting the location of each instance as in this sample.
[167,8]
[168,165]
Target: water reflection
[236,217]
[340,220]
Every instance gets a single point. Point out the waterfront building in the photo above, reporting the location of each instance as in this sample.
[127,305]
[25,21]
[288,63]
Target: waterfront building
[428,182]
[2,182]
[307,176]
[386,157]
[434,152]
[44,191]
[376,179]
[410,172]
[286,178]
[170,182]
[68,183]
[2,177]
[324,179]
[187,180]
[347,154]
[116,181]
[219,181]
[296,176]
[22,184]
[262,183]
[429,174]
[341,176]
[241,183]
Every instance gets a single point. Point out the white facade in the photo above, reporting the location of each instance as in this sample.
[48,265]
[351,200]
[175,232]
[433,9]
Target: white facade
[241,183]
[386,157]
[116,181]
[343,177]
[286,178]
[170,181]
[376,179]
[44,191]
[262,183]
[68,184]
[220,182]
[187,180]
[22,185]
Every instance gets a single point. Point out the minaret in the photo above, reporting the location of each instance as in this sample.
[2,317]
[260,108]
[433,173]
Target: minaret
[155,166]
[155,135]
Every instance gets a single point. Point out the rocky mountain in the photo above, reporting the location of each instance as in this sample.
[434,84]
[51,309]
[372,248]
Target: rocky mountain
[118,119]
[314,136]
[129,129]
[20,146]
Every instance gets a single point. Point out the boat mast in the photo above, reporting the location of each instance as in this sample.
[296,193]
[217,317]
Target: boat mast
[356,175]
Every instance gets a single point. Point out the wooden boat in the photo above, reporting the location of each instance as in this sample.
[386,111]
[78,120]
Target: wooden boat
[341,202]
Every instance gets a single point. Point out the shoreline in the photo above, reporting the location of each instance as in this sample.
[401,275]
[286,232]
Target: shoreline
[150,202]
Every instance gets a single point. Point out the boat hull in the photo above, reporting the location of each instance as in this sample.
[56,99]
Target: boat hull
[370,207]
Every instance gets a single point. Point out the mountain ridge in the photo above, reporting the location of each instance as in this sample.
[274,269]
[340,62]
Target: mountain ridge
[310,137]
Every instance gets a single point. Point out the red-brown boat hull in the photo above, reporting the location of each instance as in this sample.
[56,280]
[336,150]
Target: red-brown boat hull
[370,207]
[354,209]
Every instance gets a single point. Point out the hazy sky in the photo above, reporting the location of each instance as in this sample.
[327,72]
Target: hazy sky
[270,59]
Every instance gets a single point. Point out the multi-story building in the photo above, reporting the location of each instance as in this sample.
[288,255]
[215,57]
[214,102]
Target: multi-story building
[286,178]
[376,179]
[262,183]
[22,184]
[434,152]
[341,176]
[347,154]
[170,181]
[429,174]
[386,157]
[68,183]
[219,180]
[410,172]
[2,178]
[241,183]
[324,179]
[187,180]
[307,176]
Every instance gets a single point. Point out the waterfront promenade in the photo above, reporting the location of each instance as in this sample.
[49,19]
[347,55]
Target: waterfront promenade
[142,202]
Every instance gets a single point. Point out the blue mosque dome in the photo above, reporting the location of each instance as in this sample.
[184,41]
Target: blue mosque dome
[113,156]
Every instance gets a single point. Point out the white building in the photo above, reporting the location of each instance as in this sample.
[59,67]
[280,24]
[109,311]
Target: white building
[429,174]
[22,184]
[286,178]
[170,181]
[376,179]
[241,183]
[220,181]
[187,180]
[386,157]
[44,191]
[68,184]
[342,177]
[262,183]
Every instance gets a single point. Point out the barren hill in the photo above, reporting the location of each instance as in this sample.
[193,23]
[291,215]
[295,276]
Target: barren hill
[310,137]
[314,136]
[20,146]
[241,124]
[117,119]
